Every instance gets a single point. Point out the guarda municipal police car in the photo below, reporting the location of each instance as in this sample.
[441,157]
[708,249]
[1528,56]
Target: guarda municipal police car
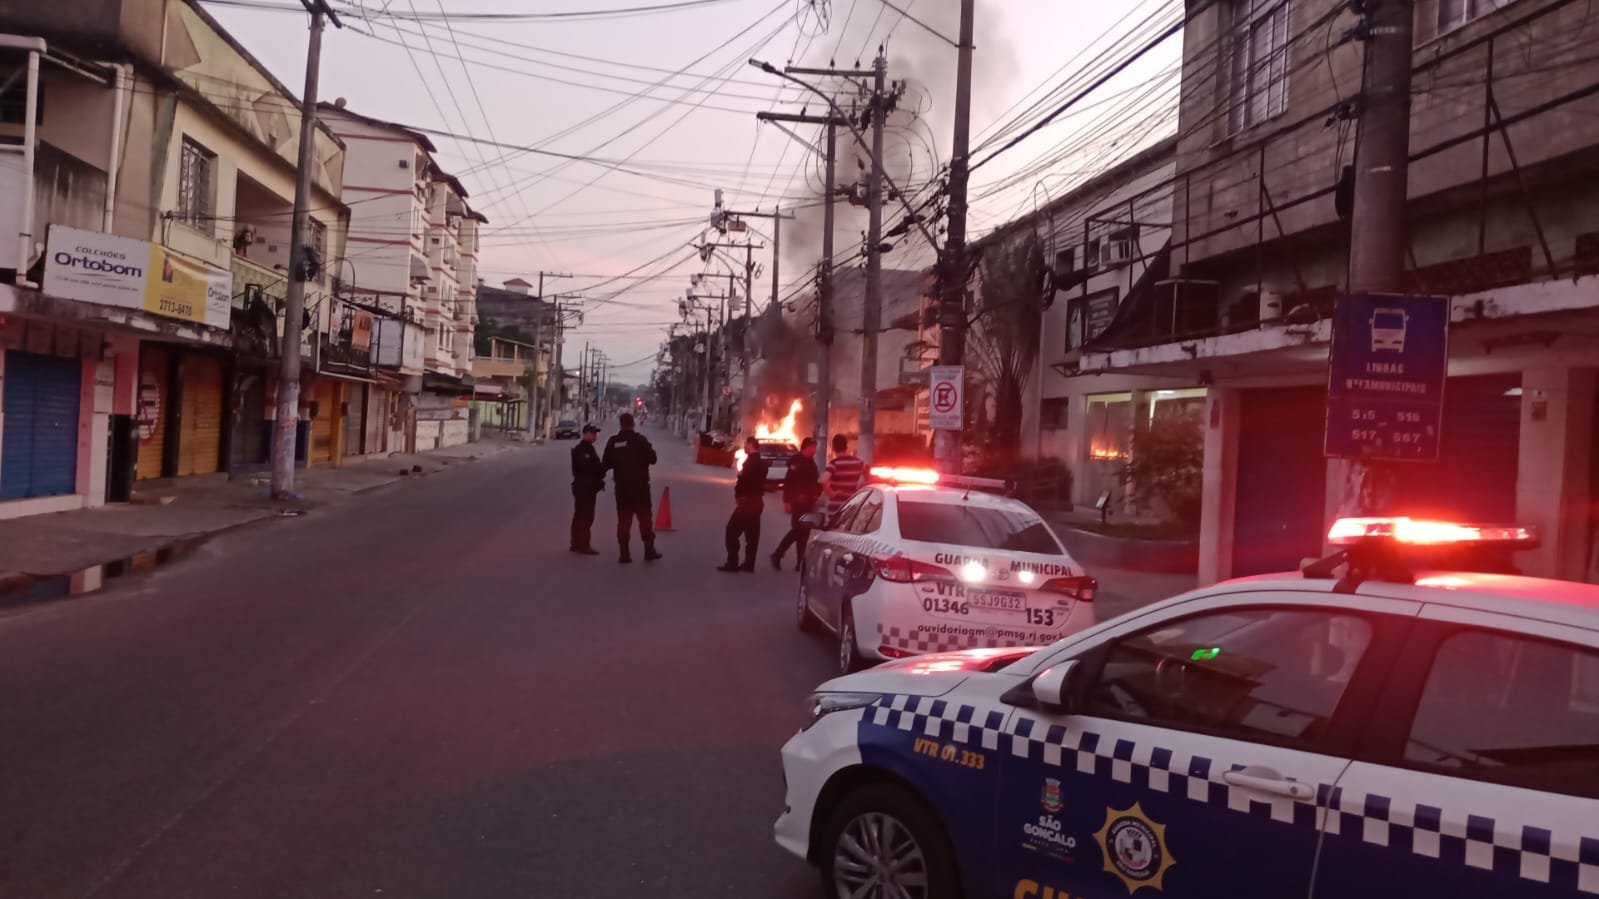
[1354,730]
[912,564]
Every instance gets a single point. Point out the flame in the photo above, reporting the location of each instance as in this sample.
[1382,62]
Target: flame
[783,430]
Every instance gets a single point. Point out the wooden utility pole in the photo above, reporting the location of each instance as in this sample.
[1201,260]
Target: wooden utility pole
[286,425]
[1378,236]
[952,263]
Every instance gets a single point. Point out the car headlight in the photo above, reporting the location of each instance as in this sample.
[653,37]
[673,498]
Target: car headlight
[820,705]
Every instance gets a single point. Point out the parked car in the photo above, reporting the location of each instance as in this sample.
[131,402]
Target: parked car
[567,429]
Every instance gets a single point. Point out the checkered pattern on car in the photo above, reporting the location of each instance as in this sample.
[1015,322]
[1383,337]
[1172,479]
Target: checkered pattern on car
[925,716]
[920,640]
[1448,835]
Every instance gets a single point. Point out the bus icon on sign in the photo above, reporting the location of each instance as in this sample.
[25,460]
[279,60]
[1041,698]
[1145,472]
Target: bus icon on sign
[1388,329]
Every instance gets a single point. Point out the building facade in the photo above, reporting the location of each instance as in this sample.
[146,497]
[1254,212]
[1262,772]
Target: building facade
[149,169]
[414,244]
[1504,146]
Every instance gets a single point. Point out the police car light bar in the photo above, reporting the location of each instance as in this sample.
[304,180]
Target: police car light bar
[927,477]
[1414,532]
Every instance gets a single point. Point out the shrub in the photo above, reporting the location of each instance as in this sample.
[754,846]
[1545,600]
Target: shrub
[1165,468]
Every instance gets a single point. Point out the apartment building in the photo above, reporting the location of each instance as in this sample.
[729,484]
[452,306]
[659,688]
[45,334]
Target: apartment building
[1504,147]
[148,167]
[414,244]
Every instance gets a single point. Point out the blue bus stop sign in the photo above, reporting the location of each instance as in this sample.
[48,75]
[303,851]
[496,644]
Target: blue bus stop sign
[1385,378]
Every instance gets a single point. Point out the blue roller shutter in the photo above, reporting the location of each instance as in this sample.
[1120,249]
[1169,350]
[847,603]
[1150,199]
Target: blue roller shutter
[39,434]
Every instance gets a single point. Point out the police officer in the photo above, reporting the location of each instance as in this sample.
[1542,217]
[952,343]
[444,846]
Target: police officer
[628,456]
[749,501]
[588,479]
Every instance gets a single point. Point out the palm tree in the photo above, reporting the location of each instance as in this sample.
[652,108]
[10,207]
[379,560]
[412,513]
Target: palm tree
[1005,333]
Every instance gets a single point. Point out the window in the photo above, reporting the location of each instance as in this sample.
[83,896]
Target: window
[1091,255]
[1260,62]
[1455,13]
[980,527]
[196,175]
[870,517]
[1056,414]
[1511,710]
[1261,675]
[843,518]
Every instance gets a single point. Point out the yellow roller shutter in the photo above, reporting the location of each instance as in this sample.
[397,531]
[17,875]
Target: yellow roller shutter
[151,412]
[200,442]
[322,425]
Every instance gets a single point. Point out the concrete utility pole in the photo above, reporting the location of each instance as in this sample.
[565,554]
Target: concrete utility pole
[288,408]
[777,216]
[537,419]
[1378,236]
[952,264]
[821,404]
[872,314]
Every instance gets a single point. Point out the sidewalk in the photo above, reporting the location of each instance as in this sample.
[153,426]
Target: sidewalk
[182,511]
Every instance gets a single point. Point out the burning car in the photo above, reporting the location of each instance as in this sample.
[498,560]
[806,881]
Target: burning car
[777,442]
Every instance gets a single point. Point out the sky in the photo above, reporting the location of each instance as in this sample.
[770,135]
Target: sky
[664,103]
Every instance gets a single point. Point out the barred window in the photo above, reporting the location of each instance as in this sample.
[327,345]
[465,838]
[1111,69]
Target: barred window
[196,177]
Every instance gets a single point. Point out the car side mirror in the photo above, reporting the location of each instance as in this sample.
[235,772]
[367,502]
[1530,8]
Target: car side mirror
[1052,686]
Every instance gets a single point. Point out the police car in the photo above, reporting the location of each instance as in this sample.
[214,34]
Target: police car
[916,563]
[1362,728]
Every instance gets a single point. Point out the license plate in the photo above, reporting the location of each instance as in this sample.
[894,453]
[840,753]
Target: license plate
[1002,601]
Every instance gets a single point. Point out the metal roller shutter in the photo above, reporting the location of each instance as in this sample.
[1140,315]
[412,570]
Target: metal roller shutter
[354,418]
[323,394]
[1479,455]
[39,450]
[200,439]
[1282,479]
[152,411]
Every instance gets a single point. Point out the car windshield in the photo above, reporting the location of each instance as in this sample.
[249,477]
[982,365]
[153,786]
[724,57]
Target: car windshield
[565,423]
[958,524]
[774,449]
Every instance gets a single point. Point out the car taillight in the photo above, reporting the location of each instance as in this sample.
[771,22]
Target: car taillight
[900,570]
[1078,588]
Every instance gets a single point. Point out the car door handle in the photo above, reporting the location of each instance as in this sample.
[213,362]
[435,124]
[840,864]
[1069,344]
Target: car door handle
[1265,780]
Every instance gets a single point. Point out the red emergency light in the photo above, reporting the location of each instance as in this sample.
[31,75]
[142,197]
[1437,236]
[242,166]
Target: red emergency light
[1422,532]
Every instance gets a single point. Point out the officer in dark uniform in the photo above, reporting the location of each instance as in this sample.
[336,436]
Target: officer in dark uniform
[588,479]
[802,486]
[628,456]
[749,501]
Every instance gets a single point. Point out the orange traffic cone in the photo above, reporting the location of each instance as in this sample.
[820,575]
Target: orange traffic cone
[663,515]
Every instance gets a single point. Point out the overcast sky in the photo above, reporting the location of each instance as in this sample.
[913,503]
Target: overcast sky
[605,89]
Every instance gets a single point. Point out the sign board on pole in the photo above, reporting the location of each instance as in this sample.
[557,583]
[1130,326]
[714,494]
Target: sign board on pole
[1385,378]
[945,402]
[135,274]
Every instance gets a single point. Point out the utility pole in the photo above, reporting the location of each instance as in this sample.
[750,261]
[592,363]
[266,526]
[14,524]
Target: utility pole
[537,419]
[1378,236]
[872,314]
[583,381]
[288,410]
[721,218]
[952,264]
[821,405]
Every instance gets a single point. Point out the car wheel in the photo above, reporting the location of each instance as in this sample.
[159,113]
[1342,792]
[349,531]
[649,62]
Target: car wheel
[884,835]
[849,651]
[803,619]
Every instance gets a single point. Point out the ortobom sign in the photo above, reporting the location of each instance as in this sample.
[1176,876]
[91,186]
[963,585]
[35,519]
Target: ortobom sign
[1386,374]
[135,274]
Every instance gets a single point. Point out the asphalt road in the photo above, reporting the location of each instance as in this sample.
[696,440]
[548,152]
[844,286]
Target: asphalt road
[419,694]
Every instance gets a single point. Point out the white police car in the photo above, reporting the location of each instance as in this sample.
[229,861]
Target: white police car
[912,564]
[1369,733]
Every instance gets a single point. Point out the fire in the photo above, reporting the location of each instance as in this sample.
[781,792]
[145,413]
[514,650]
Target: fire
[783,430]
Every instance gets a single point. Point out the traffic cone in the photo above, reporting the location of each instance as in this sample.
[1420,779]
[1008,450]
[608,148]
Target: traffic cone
[663,515]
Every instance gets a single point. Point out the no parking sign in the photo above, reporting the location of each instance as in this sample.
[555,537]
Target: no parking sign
[946,389]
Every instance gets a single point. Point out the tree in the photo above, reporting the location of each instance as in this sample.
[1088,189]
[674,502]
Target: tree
[1004,337]
[1165,467]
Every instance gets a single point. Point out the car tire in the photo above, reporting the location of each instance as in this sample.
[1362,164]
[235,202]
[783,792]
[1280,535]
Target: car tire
[898,825]
[803,619]
[849,648]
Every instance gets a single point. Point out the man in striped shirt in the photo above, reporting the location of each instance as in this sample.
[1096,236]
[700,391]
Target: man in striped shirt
[845,475]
